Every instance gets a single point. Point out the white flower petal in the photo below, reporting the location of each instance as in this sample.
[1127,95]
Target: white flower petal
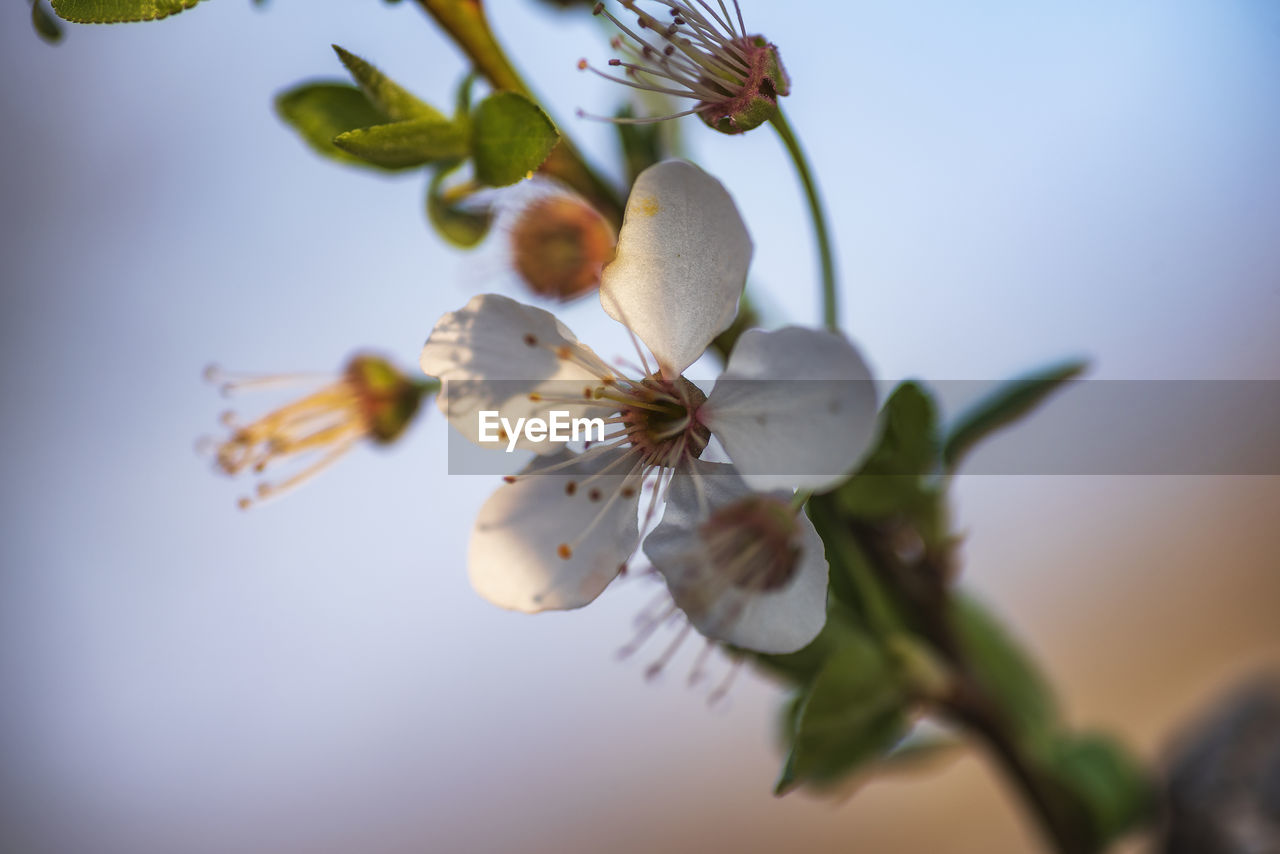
[770,621]
[794,408]
[681,263]
[516,556]
[495,352]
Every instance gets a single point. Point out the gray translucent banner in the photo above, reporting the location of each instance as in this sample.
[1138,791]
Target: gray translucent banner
[1088,427]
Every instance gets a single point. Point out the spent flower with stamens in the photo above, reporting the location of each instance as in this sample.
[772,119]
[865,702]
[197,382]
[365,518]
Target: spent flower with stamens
[370,400]
[560,531]
[702,53]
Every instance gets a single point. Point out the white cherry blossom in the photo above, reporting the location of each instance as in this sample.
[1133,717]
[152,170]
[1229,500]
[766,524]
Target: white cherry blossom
[793,409]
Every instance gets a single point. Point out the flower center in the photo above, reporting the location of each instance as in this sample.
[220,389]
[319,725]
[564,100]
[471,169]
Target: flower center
[751,542]
[659,418]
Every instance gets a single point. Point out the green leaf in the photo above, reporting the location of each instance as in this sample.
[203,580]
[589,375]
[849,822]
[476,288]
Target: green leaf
[915,752]
[323,110]
[1007,671]
[462,225]
[384,93]
[511,137]
[1106,780]
[843,627]
[908,443]
[855,711]
[895,477]
[118,11]
[1005,405]
[46,26]
[403,145]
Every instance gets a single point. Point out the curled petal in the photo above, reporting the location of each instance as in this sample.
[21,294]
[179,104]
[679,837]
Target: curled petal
[554,541]
[500,355]
[723,595]
[681,263]
[794,408]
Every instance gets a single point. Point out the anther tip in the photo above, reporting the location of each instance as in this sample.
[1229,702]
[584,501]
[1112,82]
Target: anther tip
[564,551]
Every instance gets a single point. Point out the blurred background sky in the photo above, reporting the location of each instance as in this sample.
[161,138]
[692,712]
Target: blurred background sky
[1009,183]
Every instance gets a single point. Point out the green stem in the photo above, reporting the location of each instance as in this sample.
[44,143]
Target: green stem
[1061,819]
[830,309]
[921,592]
[466,24]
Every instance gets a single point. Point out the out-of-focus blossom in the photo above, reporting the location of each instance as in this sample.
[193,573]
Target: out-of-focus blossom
[559,245]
